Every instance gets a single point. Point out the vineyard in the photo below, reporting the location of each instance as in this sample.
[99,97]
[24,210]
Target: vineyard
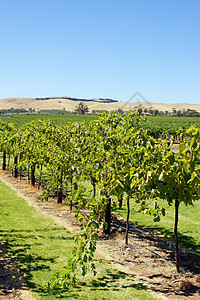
[155,125]
[116,163]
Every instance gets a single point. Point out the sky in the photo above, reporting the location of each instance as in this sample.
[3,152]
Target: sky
[101,49]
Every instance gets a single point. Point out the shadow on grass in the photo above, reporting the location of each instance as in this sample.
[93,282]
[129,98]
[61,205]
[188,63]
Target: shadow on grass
[110,281]
[184,240]
[18,243]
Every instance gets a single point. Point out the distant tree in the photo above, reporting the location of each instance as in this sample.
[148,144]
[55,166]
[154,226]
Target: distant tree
[119,111]
[81,109]
[151,111]
[179,113]
[156,111]
[174,111]
[191,113]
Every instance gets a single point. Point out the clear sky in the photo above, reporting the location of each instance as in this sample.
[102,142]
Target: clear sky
[101,49]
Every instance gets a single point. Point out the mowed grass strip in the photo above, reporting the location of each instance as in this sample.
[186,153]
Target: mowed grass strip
[188,225]
[40,249]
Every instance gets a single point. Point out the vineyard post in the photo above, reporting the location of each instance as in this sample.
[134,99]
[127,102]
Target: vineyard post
[175,234]
[120,201]
[60,188]
[70,204]
[28,175]
[93,182]
[15,170]
[33,175]
[4,160]
[40,178]
[107,217]
[20,170]
[127,219]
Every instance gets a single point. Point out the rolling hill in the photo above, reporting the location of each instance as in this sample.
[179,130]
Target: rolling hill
[69,104]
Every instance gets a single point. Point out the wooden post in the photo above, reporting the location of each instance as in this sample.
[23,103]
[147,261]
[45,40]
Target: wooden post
[93,181]
[33,175]
[127,219]
[120,201]
[28,175]
[107,217]
[60,190]
[4,160]
[15,171]
[176,236]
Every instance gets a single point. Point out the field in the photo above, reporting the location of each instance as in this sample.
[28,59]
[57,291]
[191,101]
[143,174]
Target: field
[155,125]
[53,116]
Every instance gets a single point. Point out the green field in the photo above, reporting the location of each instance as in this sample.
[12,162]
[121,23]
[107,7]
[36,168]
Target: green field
[40,248]
[155,124]
[53,116]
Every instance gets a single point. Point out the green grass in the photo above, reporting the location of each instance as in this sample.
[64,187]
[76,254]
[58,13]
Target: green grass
[57,119]
[188,227]
[40,248]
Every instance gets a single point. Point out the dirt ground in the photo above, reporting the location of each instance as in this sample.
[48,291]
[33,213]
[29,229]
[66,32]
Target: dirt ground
[148,259]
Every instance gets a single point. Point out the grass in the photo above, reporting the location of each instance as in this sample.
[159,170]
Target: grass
[40,248]
[188,227]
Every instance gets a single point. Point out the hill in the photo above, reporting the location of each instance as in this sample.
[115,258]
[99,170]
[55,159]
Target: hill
[69,104]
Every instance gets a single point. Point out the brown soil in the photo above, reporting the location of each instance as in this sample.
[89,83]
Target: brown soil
[148,258]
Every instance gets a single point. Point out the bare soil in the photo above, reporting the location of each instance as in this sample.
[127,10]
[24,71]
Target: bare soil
[148,259]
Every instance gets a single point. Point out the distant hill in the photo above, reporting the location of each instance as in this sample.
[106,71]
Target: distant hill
[69,104]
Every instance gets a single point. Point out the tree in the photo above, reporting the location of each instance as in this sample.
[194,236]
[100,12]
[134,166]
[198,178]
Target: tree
[81,109]
[156,111]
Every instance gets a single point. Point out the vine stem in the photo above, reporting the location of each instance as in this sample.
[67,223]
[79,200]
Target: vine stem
[127,219]
[176,236]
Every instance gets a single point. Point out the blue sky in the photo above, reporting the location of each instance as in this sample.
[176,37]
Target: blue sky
[101,49]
